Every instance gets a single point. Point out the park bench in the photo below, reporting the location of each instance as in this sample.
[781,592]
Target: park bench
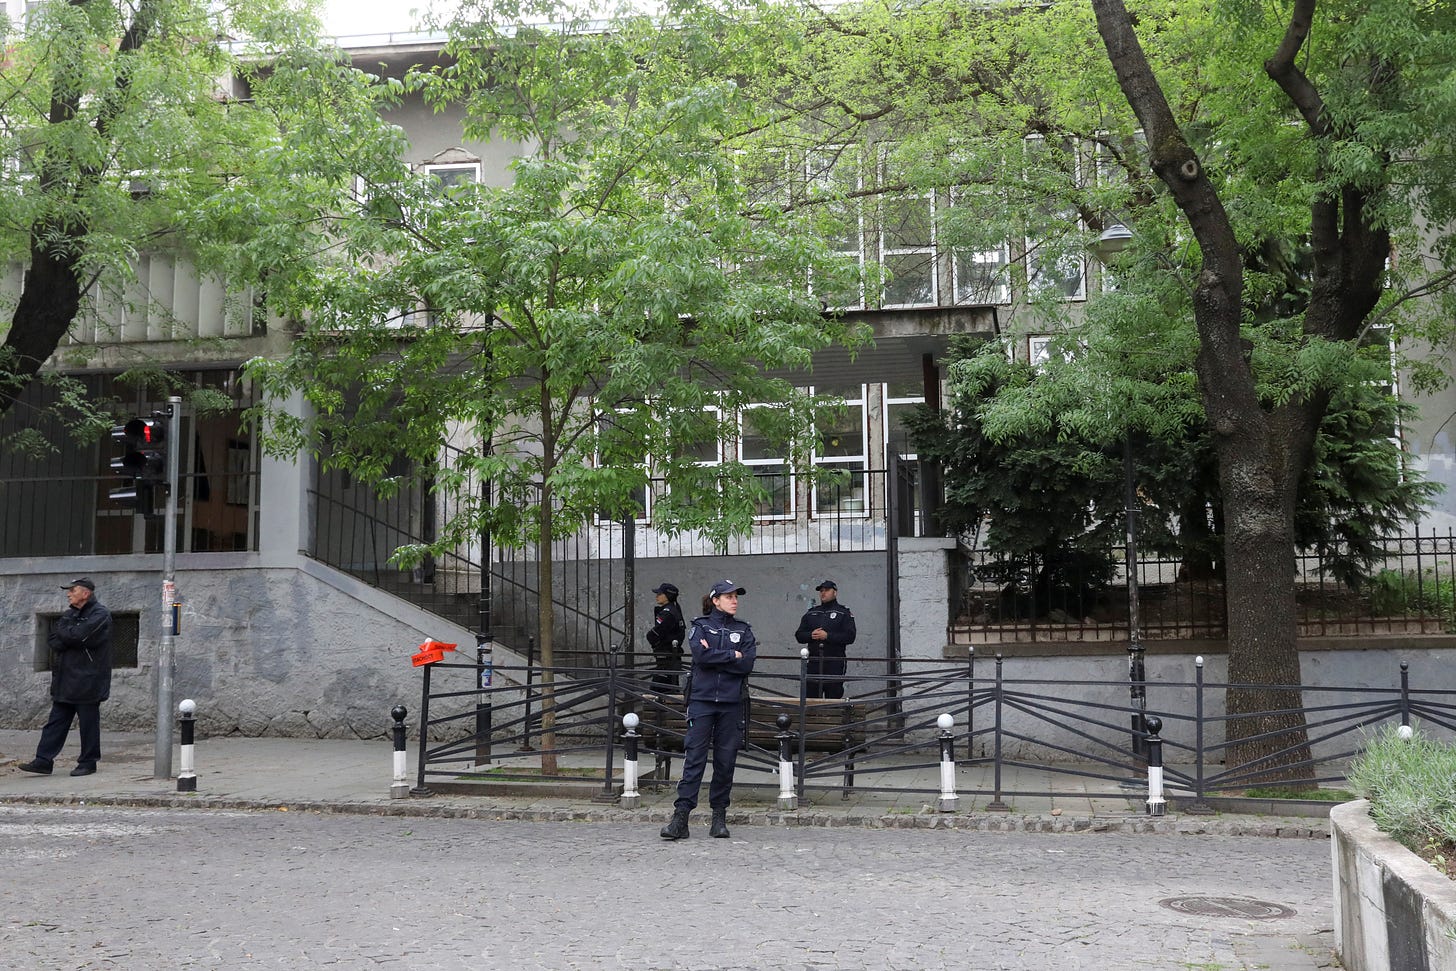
[831,725]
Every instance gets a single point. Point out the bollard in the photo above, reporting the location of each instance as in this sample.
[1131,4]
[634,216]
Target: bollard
[1157,806]
[186,724]
[787,798]
[948,798]
[630,797]
[400,787]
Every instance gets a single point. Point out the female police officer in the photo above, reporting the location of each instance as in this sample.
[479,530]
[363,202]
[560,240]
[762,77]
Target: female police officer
[723,654]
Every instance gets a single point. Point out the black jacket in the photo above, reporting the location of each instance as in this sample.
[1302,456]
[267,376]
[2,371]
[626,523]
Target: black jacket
[667,629]
[717,675]
[80,643]
[838,623]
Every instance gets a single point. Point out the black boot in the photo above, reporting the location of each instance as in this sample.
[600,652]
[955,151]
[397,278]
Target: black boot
[718,829]
[677,827]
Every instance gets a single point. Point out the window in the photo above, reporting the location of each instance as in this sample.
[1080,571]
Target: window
[907,247]
[900,399]
[833,180]
[125,632]
[1055,264]
[840,446]
[981,275]
[765,453]
[454,175]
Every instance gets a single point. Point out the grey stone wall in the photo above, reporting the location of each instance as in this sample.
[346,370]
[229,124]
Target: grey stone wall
[263,651]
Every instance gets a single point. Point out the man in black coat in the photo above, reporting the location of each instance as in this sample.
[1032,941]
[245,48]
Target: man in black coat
[80,643]
[827,628]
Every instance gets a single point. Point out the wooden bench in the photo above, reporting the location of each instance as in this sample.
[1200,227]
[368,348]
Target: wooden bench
[831,725]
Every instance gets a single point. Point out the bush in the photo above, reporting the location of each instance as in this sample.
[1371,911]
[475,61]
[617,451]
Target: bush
[1394,593]
[1411,785]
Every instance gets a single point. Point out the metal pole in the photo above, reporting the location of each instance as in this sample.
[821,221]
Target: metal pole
[484,672]
[1136,672]
[162,750]
[996,805]
[1199,807]
[420,788]
[803,714]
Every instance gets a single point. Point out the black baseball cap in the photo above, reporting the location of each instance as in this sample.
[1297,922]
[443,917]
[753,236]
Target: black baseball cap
[667,588]
[827,585]
[726,586]
[81,582]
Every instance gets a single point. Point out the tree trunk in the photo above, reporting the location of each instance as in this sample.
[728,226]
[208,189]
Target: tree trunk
[1258,453]
[48,304]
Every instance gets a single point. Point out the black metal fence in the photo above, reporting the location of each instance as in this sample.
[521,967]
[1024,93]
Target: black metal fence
[1411,589]
[883,736]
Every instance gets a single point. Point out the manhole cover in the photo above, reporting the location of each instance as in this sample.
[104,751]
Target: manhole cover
[1228,907]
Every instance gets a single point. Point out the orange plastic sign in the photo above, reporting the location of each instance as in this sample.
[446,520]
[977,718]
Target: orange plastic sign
[430,652]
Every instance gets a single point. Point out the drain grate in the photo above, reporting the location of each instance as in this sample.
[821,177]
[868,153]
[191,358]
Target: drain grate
[1227,907]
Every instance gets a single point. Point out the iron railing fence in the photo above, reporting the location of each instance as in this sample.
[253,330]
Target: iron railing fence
[73,515]
[883,736]
[1410,590]
[358,531]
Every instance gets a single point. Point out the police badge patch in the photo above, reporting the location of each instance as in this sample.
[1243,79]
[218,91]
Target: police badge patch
[733,637]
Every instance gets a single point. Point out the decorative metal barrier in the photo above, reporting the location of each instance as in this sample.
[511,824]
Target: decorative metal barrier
[487,724]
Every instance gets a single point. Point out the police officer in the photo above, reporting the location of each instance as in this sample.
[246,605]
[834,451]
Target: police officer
[666,637]
[828,628]
[724,650]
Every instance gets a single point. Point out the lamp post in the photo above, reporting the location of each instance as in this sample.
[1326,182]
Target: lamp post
[1110,242]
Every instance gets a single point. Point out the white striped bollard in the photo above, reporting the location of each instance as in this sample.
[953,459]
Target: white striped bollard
[630,796]
[186,726]
[948,797]
[400,787]
[1157,805]
[787,797]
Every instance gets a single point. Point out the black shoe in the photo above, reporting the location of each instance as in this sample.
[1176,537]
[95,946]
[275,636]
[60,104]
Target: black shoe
[718,829]
[83,770]
[39,768]
[677,827]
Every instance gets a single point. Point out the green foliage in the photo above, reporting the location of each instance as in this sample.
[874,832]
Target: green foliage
[1408,783]
[602,317]
[1395,593]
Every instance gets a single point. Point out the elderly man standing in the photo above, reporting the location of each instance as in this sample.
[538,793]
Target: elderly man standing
[80,643]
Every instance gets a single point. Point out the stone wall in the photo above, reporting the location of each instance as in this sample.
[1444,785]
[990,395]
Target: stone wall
[1393,910]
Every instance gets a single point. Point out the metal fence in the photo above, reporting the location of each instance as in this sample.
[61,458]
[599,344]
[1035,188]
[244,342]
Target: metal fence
[883,736]
[1411,589]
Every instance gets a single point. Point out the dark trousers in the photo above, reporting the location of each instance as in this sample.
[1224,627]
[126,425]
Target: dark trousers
[825,673]
[58,726]
[710,726]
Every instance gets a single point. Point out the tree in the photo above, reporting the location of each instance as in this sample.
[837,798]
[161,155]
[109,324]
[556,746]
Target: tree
[615,304]
[1230,144]
[117,139]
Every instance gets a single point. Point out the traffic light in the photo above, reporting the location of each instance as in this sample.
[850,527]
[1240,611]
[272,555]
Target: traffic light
[143,462]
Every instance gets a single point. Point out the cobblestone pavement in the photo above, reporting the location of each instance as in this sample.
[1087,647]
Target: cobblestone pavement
[105,888]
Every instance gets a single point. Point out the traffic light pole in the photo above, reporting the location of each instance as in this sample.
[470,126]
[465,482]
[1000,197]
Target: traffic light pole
[162,755]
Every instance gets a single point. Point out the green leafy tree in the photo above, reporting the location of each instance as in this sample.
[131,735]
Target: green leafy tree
[1246,150]
[621,297]
[117,139]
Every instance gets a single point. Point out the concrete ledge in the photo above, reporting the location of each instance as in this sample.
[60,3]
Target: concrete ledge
[1393,910]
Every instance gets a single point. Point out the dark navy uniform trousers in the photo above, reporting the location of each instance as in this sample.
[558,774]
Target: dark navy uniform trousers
[717,726]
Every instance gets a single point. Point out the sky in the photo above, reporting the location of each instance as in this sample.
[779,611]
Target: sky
[345,17]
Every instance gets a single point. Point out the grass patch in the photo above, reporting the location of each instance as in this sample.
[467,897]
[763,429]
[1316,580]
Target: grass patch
[1409,783]
[1298,792]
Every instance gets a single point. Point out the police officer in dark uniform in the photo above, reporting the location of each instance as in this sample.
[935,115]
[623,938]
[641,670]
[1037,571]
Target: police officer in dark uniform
[666,637]
[724,650]
[828,628]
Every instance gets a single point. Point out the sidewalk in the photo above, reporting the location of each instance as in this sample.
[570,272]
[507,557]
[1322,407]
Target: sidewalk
[328,775]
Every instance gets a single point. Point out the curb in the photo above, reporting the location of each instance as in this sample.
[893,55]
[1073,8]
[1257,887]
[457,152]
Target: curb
[1264,826]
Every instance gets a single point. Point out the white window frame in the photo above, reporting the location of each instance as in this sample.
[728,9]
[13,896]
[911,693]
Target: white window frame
[780,464]
[857,464]
[929,250]
[821,177]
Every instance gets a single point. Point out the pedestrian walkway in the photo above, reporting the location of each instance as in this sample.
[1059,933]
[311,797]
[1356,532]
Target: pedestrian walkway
[355,777]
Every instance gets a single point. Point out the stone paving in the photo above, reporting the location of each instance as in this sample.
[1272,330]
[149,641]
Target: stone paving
[303,860]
